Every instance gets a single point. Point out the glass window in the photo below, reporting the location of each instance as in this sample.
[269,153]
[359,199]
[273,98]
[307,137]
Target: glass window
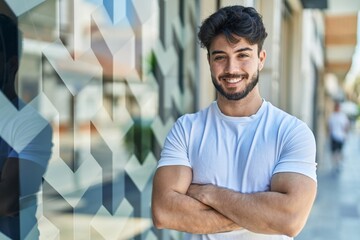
[106,80]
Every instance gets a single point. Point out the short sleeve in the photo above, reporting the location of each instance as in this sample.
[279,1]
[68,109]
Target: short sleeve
[298,153]
[175,150]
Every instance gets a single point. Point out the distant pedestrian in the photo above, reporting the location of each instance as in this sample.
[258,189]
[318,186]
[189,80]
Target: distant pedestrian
[338,126]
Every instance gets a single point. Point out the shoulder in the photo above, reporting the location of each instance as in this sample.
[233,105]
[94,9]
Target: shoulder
[278,115]
[189,119]
[287,124]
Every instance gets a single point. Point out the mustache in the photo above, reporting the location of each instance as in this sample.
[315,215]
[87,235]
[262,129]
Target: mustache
[228,75]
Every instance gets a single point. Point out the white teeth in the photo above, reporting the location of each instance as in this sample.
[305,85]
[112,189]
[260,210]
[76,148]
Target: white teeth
[233,80]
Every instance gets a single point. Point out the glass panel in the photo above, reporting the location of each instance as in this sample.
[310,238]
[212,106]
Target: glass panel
[102,82]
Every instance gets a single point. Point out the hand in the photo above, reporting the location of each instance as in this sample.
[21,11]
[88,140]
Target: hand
[203,193]
[200,192]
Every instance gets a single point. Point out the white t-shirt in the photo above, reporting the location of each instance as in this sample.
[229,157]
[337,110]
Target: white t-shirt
[240,153]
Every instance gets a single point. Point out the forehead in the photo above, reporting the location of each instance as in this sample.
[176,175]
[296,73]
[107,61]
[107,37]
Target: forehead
[221,43]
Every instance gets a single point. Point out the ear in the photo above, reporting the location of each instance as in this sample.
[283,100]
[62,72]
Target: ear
[262,57]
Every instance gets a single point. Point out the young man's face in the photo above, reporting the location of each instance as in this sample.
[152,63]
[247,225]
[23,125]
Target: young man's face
[234,67]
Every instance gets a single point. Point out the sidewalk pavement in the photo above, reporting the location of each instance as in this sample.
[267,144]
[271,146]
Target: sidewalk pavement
[336,211]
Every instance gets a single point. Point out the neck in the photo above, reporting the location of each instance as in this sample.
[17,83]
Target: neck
[240,108]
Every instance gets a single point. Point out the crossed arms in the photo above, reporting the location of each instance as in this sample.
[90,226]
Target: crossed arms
[201,209]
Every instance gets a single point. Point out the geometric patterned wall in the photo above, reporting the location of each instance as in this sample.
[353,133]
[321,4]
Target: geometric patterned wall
[111,77]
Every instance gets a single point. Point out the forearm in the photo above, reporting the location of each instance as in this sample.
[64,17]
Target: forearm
[264,212]
[172,208]
[282,210]
[183,213]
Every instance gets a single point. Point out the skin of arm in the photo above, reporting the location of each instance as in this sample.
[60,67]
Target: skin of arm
[282,210]
[173,209]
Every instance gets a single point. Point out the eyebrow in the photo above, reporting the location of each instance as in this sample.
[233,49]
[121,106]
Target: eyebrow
[239,50]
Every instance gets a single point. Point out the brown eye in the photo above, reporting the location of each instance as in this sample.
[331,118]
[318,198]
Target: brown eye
[218,58]
[243,55]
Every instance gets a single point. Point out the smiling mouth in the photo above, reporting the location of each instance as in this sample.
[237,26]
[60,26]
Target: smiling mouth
[233,79]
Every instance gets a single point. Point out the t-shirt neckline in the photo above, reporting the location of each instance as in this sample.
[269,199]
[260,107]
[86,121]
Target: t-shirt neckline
[240,119]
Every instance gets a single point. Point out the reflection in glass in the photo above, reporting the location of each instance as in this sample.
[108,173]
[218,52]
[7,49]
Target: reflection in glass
[110,77]
[25,143]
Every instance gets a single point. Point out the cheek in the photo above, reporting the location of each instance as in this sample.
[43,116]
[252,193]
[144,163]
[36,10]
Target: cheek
[215,69]
[250,66]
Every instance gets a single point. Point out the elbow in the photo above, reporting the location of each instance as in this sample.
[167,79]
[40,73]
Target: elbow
[294,225]
[292,232]
[157,224]
[157,221]
[289,224]
[158,218]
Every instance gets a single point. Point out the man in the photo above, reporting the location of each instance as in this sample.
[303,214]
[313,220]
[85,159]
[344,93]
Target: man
[241,168]
[338,125]
[25,144]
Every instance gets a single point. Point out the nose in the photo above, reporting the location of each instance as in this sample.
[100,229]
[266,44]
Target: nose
[232,66]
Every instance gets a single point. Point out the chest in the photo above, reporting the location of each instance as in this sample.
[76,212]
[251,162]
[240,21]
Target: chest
[240,157]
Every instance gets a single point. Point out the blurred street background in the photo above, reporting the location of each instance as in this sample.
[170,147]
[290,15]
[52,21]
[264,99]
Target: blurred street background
[336,212]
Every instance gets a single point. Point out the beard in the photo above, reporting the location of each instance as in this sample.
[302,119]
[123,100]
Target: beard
[236,95]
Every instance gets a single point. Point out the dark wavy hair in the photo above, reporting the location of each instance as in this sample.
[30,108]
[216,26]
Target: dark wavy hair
[233,22]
